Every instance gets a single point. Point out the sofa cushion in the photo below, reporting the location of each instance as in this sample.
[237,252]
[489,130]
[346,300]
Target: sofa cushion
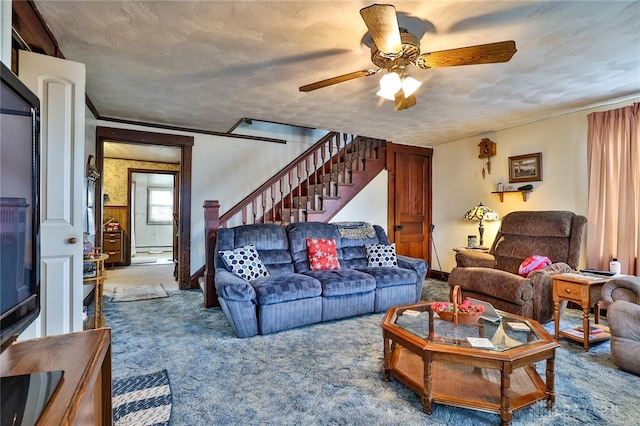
[343,281]
[390,277]
[245,262]
[322,254]
[285,288]
[269,239]
[383,255]
[299,232]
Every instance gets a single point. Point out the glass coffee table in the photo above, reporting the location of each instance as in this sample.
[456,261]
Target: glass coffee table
[438,361]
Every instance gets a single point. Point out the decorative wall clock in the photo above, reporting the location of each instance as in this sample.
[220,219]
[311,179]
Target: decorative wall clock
[487,150]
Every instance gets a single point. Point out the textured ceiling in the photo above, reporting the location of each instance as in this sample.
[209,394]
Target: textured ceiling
[205,65]
[130,151]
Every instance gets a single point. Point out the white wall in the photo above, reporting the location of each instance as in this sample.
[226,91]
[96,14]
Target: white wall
[369,205]
[458,184]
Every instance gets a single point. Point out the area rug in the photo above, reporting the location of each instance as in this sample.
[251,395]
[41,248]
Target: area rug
[144,292]
[142,400]
[331,373]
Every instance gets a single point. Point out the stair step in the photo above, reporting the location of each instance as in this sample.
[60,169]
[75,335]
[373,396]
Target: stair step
[336,177]
[307,201]
[321,190]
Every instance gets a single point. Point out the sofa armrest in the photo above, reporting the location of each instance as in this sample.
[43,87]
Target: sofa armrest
[624,323]
[540,276]
[542,280]
[622,288]
[471,258]
[418,265]
[231,287]
[505,285]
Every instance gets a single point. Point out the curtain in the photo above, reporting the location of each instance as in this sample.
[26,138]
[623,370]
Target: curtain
[613,155]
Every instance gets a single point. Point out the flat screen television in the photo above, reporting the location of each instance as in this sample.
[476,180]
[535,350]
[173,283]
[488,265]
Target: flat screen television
[19,207]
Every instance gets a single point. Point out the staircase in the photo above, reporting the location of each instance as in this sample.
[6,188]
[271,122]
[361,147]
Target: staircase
[313,187]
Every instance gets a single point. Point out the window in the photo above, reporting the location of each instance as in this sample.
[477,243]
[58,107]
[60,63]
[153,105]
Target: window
[159,206]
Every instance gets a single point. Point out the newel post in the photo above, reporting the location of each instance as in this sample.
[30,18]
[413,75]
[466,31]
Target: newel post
[211,225]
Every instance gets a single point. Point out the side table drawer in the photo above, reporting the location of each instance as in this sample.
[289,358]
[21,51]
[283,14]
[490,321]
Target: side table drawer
[114,256]
[112,244]
[571,291]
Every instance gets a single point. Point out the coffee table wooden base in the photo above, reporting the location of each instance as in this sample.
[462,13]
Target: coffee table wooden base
[500,387]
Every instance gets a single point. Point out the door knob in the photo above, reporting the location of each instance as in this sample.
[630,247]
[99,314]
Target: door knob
[72,240]
[398,227]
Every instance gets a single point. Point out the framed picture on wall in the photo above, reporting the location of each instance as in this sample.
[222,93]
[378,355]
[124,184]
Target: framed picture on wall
[525,168]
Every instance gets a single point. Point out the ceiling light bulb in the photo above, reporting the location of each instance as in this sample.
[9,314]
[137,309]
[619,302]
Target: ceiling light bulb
[410,85]
[389,85]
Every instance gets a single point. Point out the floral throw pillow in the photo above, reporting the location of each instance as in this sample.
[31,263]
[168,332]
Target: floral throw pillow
[323,254]
[381,255]
[245,262]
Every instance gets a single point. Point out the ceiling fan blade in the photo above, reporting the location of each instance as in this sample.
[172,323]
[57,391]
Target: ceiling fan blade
[382,23]
[501,51]
[336,80]
[403,102]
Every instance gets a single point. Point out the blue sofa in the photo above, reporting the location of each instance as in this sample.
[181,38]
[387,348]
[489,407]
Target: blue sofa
[293,295]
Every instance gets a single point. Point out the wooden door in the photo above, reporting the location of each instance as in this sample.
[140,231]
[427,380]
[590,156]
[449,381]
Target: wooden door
[60,86]
[409,206]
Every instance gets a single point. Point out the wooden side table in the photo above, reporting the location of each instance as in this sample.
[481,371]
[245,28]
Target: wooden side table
[95,277]
[479,249]
[83,396]
[585,291]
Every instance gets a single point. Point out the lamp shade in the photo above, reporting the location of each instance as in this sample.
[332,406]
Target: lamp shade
[481,212]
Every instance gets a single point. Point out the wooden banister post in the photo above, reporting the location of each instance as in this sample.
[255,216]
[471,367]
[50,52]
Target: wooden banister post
[211,225]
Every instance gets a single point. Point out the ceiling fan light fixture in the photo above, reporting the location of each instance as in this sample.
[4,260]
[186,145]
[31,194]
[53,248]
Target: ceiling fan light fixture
[390,84]
[410,85]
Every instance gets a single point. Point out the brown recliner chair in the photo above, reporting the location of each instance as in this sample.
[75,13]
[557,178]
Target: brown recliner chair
[493,276]
[622,296]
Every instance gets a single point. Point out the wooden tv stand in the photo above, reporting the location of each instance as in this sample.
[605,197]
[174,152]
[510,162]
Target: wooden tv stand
[83,396]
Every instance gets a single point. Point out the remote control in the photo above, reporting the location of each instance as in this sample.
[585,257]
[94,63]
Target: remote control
[598,272]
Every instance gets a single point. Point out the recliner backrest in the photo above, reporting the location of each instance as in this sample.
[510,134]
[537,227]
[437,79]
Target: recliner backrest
[555,234]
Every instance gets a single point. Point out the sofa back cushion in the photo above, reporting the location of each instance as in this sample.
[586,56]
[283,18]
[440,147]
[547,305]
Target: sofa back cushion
[270,240]
[351,253]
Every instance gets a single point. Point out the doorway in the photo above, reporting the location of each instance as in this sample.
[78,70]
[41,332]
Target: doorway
[155,142]
[153,217]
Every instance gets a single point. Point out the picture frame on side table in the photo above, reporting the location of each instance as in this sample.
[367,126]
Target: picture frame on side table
[525,168]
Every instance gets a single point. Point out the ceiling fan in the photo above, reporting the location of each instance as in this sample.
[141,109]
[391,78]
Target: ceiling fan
[395,48]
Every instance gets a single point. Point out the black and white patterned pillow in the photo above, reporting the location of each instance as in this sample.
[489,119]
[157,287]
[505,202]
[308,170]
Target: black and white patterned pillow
[245,262]
[381,255]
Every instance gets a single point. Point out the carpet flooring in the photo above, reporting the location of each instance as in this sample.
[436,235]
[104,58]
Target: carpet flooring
[329,373]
